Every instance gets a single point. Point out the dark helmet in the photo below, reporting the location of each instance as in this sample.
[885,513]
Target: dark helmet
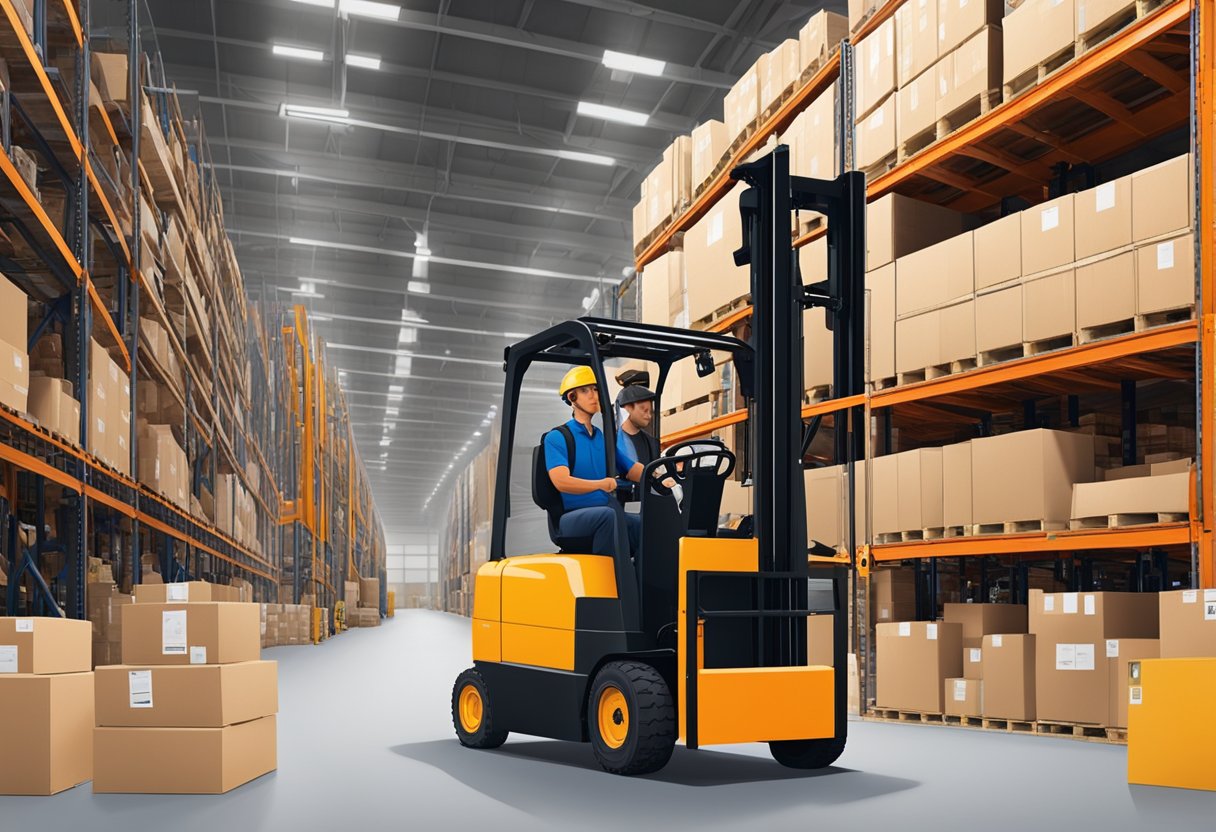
[633,394]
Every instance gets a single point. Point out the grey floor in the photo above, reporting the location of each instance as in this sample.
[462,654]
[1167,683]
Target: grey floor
[365,738]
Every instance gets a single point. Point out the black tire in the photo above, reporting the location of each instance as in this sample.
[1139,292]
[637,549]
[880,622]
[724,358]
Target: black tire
[648,719]
[807,753]
[482,734]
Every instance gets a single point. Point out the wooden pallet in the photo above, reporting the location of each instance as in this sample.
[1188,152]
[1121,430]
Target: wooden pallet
[960,721]
[886,383]
[1010,726]
[891,715]
[1092,733]
[1018,527]
[912,145]
[819,393]
[966,112]
[1038,73]
[882,166]
[1165,318]
[1123,521]
[778,102]
[1060,342]
[925,374]
[738,141]
[723,311]
[957,531]
[1089,334]
[1001,355]
[1135,11]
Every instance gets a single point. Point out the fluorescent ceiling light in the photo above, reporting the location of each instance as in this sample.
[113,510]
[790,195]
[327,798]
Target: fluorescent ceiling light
[590,158]
[409,316]
[634,117]
[322,318]
[396,388]
[385,442]
[363,61]
[420,287]
[633,63]
[333,115]
[408,335]
[384,454]
[285,51]
[366,8]
[392,411]
[395,397]
[477,433]
[302,293]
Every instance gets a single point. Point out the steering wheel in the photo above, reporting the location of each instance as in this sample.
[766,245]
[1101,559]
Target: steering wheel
[679,466]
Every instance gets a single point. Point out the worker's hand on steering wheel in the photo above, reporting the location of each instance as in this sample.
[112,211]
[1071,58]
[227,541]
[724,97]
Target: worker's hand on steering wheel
[608,485]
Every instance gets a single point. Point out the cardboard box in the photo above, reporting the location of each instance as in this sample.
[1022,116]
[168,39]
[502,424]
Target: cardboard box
[956,485]
[1163,199]
[741,107]
[958,20]
[920,489]
[860,11]
[113,69]
[820,37]
[14,376]
[979,620]
[677,165]
[917,107]
[998,252]
[1049,306]
[968,72]
[51,403]
[709,144]
[183,760]
[885,494]
[897,225]
[893,594]
[918,342]
[1188,624]
[936,275]
[913,661]
[1092,15]
[817,349]
[655,288]
[874,139]
[1135,495]
[998,319]
[780,68]
[964,697]
[916,38]
[1106,291]
[973,662]
[1047,236]
[1103,217]
[1119,654]
[1036,31]
[876,74]
[14,309]
[193,696]
[192,591]
[709,247]
[881,284]
[819,647]
[1028,475]
[369,593]
[824,499]
[812,138]
[1165,275]
[44,646]
[1009,680]
[47,725]
[190,633]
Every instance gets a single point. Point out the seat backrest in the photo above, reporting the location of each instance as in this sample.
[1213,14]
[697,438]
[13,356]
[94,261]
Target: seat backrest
[544,493]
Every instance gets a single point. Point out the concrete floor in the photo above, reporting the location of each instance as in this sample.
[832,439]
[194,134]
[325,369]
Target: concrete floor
[365,737]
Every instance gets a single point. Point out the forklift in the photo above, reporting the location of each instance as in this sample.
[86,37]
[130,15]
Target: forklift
[702,635]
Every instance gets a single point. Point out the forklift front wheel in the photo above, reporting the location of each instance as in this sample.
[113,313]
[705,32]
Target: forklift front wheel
[807,753]
[471,713]
[631,718]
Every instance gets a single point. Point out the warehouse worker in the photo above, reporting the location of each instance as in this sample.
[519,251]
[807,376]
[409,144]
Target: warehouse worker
[587,490]
[637,405]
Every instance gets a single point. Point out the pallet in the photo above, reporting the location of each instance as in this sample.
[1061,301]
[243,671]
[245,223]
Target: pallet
[1093,733]
[960,721]
[882,166]
[911,535]
[966,112]
[1010,726]
[1117,735]
[723,311]
[1060,342]
[891,715]
[1114,329]
[816,394]
[886,383]
[785,95]
[925,374]
[915,144]
[1001,355]
[1135,11]
[812,222]
[956,531]
[1123,521]
[1018,527]
[1165,318]
[738,141]
[1038,73]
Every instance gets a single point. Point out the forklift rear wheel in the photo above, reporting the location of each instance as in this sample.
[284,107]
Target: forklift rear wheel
[471,713]
[807,753]
[631,719]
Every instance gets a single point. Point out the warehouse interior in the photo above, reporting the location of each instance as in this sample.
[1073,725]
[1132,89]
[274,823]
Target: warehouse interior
[502,409]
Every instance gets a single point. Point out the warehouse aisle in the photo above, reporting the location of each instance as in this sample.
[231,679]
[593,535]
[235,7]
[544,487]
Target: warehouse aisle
[365,738]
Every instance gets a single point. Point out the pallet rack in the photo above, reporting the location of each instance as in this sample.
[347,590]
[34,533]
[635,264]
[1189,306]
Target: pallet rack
[89,276]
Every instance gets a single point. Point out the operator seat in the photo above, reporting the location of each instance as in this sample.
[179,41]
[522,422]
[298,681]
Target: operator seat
[546,496]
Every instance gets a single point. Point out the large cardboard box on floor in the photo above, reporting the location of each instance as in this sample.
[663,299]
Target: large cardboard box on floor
[970,71]
[893,594]
[1163,199]
[183,760]
[876,72]
[897,225]
[916,38]
[1009,684]
[1188,624]
[998,252]
[920,489]
[1106,291]
[711,277]
[47,726]
[1103,217]
[979,620]
[963,697]
[191,696]
[190,633]
[1048,236]
[44,646]
[958,20]
[956,485]
[1028,475]
[1074,631]
[1035,32]
[1165,275]
[709,145]
[913,661]
[189,591]
[1167,494]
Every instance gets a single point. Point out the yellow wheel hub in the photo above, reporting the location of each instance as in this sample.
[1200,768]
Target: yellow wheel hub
[471,708]
[613,717]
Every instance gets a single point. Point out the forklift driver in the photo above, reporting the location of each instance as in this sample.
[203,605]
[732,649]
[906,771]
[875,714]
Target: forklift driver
[585,486]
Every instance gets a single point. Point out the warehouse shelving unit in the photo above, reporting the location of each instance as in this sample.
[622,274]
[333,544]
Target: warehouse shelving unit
[87,270]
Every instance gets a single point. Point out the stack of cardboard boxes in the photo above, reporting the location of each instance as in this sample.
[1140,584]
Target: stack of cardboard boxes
[109,410]
[285,625]
[162,464]
[193,709]
[105,604]
[367,614]
[14,360]
[46,705]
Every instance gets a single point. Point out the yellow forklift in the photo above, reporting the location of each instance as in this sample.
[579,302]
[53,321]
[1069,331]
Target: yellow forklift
[702,635]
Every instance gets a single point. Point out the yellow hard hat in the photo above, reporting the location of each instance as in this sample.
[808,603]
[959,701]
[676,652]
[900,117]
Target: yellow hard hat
[575,378]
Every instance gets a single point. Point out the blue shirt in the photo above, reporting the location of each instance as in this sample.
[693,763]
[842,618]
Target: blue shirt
[590,461]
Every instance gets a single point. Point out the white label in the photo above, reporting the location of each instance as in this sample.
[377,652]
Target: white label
[173,633]
[715,228]
[198,654]
[1049,603]
[8,658]
[1049,218]
[1090,605]
[1112,648]
[177,592]
[1190,596]
[931,632]
[998,641]
[1085,656]
[1135,695]
[1209,610]
[905,629]
[1070,603]
[975,655]
[1055,3]
[960,690]
[24,625]
[1165,255]
[1066,657]
[942,87]
[1104,195]
[139,686]
[101,426]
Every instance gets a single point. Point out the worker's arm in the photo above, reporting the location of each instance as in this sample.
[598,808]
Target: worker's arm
[566,483]
[635,472]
